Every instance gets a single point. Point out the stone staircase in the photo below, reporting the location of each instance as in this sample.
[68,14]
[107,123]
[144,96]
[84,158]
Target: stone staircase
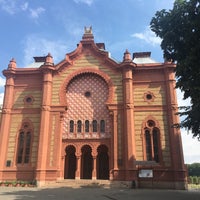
[85,183]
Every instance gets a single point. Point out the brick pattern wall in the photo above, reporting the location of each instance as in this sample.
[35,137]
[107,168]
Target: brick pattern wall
[82,107]
[155,109]
[87,62]
[16,121]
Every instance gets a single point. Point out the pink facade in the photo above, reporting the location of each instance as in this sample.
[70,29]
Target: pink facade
[90,117]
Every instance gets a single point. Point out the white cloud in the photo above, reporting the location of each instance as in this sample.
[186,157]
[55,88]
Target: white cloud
[191,146]
[9,6]
[88,2]
[37,46]
[182,102]
[2,81]
[148,36]
[1,98]
[24,6]
[36,12]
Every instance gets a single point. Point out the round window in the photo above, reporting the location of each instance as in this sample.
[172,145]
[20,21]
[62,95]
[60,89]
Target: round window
[149,96]
[28,100]
[87,94]
[150,123]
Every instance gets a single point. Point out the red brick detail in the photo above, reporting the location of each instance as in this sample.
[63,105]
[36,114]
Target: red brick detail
[107,79]
[83,107]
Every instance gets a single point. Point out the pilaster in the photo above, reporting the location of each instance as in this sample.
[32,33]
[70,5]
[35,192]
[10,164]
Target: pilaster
[45,119]
[6,113]
[78,167]
[59,148]
[174,132]
[129,134]
[94,171]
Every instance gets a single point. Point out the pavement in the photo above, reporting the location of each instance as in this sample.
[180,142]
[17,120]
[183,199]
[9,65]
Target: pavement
[66,193]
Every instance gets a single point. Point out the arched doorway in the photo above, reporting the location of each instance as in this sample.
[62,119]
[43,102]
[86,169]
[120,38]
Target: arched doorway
[102,163]
[70,162]
[86,162]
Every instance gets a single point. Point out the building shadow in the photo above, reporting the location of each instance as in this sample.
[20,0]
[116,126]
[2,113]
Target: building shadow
[90,193]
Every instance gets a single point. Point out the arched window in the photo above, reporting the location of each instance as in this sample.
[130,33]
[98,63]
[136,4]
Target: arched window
[148,145]
[87,126]
[102,126]
[71,126]
[24,145]
[79,126]
[94,125]
[152,138]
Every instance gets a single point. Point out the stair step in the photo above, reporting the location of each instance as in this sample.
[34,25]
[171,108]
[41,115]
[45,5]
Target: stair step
[88,183]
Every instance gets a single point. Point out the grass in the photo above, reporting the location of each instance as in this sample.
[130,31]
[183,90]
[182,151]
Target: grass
[194,186]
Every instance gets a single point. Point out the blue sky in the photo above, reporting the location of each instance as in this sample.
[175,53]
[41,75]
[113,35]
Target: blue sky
[34,28]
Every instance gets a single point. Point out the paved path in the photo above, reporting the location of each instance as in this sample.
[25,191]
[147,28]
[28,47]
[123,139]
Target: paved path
[64,193]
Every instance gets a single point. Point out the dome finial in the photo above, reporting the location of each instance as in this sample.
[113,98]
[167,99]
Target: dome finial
[127,56]
[12,64]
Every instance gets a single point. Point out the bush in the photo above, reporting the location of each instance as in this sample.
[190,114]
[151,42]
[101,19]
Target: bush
[195,180]
[199,180]
[190,180]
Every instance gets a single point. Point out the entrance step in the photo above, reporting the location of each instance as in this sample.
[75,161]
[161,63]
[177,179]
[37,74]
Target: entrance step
[72,183]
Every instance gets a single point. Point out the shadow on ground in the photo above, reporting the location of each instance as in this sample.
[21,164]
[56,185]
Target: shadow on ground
[63,193]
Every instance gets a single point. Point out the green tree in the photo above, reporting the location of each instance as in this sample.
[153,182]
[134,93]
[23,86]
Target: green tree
[179,29]
[195,180]
[194,169]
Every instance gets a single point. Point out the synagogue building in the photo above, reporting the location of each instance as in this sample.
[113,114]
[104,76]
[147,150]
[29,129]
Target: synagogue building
[91,117]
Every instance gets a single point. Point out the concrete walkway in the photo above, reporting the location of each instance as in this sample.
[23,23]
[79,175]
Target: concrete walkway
[66,193]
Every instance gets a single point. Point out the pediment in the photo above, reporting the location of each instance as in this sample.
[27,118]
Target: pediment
[87,47]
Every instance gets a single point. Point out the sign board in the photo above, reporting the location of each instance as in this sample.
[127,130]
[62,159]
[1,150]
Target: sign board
[146,173]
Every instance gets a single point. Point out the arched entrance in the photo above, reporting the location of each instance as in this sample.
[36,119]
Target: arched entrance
[86,162]
[70,162]
[102,163]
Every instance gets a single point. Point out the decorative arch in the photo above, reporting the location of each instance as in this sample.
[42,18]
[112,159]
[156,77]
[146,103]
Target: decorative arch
[70,162]
[150,118]
[86,162]
[103,75]
[91,146]
[24,142]
[102,162]
[151,138]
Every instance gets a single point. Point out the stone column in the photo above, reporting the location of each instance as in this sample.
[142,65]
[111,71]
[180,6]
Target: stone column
[129,135]
[78,166]
[115,141]
[59,148]
[94,171]
[174,132]
[44,121]
[6,114]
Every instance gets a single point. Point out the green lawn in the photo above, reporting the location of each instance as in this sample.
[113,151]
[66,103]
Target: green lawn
[194,186]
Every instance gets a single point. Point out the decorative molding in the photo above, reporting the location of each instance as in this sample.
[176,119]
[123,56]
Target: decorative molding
[66,82]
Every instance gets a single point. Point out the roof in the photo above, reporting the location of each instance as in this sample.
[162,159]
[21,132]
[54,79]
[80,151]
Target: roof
[34,65]
[145,60]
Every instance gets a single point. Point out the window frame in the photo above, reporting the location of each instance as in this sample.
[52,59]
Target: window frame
[152,145]
[24,145]
[87,126]
[71,126]
[79,126]
[102,126]
[94,126]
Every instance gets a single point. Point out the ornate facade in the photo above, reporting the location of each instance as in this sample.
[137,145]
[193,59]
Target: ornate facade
[90,117]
